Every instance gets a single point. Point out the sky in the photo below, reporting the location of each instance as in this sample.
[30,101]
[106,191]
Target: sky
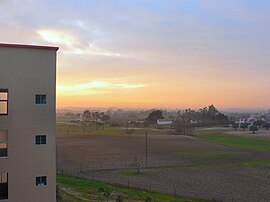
[150,53]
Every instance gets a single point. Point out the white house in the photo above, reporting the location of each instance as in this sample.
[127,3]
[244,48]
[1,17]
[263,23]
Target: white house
[249,119]
[164,121]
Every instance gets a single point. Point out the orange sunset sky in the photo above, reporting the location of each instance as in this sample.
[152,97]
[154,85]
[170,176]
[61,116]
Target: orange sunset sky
[150,53]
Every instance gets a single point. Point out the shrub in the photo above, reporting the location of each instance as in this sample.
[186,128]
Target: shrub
[253,128]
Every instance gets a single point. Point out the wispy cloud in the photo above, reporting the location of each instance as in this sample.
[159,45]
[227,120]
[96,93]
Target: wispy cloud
[92,50]
[96,87]
[73,44]
[57,37]
[184,46]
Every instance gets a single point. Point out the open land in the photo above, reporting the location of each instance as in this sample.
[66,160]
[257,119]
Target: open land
[72,189]
[210,164]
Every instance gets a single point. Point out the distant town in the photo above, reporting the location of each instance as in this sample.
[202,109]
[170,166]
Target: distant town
[187,118]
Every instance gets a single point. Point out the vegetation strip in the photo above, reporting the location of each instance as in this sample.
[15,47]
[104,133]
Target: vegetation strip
[132,172]
[256,163]
[209,154]
[86,188]
[236,141]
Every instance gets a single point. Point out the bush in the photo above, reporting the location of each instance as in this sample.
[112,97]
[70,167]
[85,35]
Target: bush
[119,199]
[253,128]
[115,125]
[235,126]
[244,126]
[148,199]
[266,126]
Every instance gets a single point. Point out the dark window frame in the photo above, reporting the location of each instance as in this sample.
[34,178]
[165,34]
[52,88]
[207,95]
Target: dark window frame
[5,101]
[40,139]
[41,99]
[5,185]
[6,144]
[41,181]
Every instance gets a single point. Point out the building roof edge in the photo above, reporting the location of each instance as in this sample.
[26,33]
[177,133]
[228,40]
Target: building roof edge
[28,46]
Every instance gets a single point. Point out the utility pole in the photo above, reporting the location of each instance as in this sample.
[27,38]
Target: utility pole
[268,117]
[146,149]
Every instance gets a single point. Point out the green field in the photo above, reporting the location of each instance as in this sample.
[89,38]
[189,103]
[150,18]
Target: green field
[132,173]
[256,163]
[66,128]
[76,189]
[234,141]
[209,154]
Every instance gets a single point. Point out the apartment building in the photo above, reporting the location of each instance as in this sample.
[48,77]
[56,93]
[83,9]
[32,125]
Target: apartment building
[27,123]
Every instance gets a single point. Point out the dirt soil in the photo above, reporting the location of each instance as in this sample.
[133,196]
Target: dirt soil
[183,165]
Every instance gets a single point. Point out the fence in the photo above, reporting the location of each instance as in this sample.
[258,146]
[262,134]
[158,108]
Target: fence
[96,171]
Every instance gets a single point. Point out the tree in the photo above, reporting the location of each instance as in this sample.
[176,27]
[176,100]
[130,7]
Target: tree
[119,199]
[154,116]
[267,126]
[207,116]
[86,114]
[235,126]
[182,126]
[105,118]
[69,115]
[58,195]
[148,199]
[259,123]
[95,115]
[244,126]
[106,192]
[253,128]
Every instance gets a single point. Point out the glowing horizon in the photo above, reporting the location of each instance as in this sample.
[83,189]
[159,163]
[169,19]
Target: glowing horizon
[140,54]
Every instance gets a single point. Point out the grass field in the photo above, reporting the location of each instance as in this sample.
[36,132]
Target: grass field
[209,154]
[76,189]
[256,163]
[65,128]
[132,173]
[234,141]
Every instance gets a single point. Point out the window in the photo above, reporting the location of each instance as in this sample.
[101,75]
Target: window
[41,99]
[3,143]
[3,186]
[41,181]
[41,139]
[3,101]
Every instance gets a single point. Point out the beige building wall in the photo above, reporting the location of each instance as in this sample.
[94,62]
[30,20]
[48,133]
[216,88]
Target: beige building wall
[26,71]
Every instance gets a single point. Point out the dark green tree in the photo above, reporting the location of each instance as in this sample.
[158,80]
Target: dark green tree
[148,199]
[105,118]
[154,116]
[235,126]
[253,128]
[86,114]
[244,126]
[119,199]
[267,126]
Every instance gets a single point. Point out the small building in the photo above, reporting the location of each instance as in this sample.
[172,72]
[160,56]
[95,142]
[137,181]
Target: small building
[164,121]
[249,119]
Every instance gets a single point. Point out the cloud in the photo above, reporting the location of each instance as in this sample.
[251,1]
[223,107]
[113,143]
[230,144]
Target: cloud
[153,40]
[93,50]
[96,87]
[57,37]
[74,44]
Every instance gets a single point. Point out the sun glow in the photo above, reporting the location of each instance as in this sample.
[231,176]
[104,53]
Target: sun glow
[96,87]
[56,37]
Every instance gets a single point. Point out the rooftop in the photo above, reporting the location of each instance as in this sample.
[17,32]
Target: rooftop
[29,46]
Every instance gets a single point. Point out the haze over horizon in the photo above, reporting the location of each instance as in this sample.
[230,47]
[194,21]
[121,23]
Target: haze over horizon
[150,53]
